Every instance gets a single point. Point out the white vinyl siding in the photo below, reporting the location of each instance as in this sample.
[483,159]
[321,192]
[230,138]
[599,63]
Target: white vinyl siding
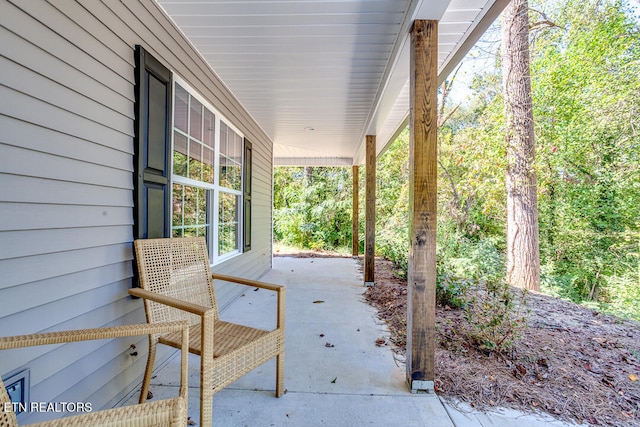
[66,184]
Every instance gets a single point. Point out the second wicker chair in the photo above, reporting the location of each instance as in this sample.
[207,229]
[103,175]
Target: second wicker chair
[176,283]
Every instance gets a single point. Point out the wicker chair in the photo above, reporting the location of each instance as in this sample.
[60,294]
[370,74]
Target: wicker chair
[174,274]
[166,412]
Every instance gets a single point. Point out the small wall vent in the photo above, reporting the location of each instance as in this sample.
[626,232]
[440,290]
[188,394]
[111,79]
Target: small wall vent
[18,386]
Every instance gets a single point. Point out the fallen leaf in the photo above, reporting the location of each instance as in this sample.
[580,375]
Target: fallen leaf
[633,377]
[380,342]
[318,301]
[321,335]
[334,380]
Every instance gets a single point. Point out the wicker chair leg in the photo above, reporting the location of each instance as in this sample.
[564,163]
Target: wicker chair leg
[280,375]
[148,370]
[206,369]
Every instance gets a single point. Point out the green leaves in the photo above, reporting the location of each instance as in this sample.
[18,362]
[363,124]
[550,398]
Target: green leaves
[312,206]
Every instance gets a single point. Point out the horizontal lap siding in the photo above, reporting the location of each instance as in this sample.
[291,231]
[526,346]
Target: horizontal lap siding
[66,163]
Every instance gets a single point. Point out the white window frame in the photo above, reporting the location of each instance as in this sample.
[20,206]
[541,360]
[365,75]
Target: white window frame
[215,188]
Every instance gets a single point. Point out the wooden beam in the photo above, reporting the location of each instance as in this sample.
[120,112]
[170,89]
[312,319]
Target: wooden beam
[355,219]
[370,212]
[421,304]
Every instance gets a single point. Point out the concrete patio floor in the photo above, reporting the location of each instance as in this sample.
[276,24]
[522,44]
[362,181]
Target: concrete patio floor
[335,375]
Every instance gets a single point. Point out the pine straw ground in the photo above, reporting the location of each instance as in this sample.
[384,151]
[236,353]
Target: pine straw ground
[571,362]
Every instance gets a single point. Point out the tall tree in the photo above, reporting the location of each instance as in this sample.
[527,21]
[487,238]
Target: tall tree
[523,252]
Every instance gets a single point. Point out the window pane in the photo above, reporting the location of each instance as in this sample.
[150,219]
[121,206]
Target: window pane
[223,137]
[181,109]
[189,211]
[195,119]
[209,129]
[236,183]
[228,223]
[237,149]
[195,160]
[177,222]
[207,166]
[201,211]
[230,158]
[179,154]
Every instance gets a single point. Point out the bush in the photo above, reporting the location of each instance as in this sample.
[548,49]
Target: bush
[495,316]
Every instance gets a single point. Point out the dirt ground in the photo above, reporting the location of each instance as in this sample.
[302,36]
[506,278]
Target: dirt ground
[571,362]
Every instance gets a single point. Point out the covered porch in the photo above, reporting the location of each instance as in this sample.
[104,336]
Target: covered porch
[291,82]
[335,373]
[333,84]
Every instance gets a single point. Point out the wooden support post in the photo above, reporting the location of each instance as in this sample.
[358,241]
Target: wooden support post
[355,219]
[421,304]
[370,212]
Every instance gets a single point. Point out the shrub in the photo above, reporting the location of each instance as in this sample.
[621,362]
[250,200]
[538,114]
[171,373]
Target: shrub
[495,316]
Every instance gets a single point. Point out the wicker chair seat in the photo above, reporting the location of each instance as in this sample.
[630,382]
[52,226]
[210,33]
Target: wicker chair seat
[228,337]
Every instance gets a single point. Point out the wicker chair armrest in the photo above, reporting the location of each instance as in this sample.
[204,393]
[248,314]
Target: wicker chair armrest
[249,282]
[45,338]
[172,302]
[281,290]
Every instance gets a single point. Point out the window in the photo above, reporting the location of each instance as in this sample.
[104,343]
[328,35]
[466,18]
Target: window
[207,175]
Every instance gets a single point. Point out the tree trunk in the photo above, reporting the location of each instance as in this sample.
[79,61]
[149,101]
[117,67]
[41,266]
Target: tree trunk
[308,175]
[523,252]
[308,202]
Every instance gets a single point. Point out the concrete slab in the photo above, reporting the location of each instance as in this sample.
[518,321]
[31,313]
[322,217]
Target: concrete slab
[463,414]
[334,372]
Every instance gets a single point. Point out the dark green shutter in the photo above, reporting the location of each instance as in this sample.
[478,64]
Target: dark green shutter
[246,193]
[152,184]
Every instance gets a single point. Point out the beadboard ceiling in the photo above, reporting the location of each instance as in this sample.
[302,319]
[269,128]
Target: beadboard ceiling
[320,75]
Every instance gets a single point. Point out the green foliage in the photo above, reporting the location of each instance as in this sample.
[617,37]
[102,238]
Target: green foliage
[471,276]
[586,97]
[462,263]
[312,207]
[392,202]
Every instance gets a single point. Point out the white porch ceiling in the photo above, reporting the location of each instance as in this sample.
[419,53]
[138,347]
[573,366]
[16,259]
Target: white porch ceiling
[319,75]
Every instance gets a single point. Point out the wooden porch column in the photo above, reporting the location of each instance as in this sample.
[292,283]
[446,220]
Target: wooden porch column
[355,219]
[421,305]
[370,211]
